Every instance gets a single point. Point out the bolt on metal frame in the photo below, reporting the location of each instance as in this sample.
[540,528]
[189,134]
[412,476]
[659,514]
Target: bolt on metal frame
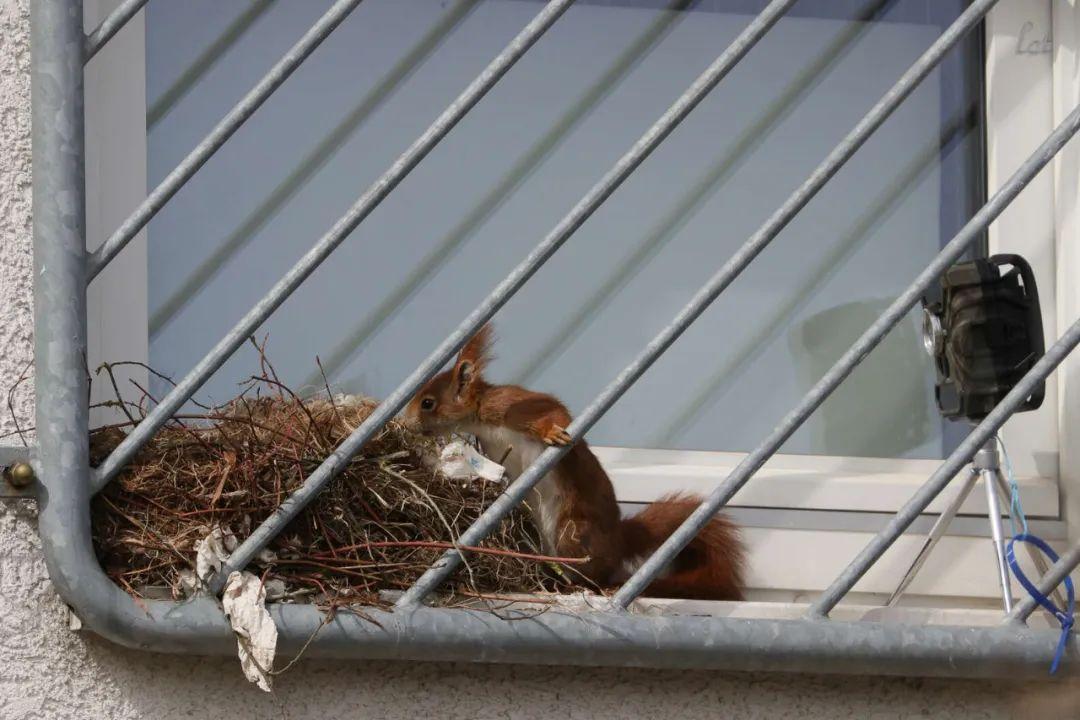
[606,635]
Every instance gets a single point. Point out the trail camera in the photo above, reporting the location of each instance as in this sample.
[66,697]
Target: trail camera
[984,331]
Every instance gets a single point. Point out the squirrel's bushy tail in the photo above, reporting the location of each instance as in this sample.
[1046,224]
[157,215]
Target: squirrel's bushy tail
[709,568]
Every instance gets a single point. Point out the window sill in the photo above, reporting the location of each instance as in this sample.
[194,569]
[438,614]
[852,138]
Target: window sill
[802,482]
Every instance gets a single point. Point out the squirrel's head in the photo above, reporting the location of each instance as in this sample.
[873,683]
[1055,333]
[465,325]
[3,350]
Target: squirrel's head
[452,397]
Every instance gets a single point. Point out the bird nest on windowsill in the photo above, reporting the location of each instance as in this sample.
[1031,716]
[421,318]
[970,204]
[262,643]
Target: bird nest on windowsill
[208,478]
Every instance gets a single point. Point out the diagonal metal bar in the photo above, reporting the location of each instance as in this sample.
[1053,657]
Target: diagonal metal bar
[327,243]
[205,61]
[539,255]
[697,305]
[217,137]
[1049,581]
[983,432]
[849,360]
[111,25]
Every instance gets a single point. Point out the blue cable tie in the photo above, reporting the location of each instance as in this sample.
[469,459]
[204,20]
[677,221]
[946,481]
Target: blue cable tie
[1064,616]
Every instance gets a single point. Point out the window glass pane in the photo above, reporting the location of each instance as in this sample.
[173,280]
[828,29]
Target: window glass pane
[523,157]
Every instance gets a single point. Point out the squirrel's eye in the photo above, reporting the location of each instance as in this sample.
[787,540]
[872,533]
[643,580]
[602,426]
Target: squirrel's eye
[427,404]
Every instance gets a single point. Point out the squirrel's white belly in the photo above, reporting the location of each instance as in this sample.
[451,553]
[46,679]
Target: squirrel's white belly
[545,500]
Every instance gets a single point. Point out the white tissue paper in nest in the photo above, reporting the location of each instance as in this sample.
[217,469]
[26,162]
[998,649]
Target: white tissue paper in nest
[211,554]
[213,551]
[461,461]
[244,601]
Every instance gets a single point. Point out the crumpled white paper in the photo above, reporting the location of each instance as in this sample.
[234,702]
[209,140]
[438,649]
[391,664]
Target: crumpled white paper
[211,554]
[244,601]
[461,461]
[213,551]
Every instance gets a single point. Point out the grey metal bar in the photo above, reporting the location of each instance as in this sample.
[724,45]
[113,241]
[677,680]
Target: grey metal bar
[111,25]
[539,255]
[1047,583]
[963,453]
[847,362]
[584,638]
[701,300]
[322,249]
[59,224]
[205,61]
[217,137]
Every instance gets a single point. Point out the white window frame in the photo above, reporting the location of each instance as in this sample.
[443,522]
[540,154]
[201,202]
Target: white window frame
[828,506]
[117,301]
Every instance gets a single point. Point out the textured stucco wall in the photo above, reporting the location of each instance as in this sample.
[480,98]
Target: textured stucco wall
[16,328]
[46,671]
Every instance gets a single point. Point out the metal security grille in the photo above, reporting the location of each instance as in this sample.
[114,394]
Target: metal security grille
[607,634]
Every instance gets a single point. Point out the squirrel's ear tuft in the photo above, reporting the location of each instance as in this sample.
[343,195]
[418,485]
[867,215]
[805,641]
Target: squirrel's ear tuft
[478,350]
[473,359]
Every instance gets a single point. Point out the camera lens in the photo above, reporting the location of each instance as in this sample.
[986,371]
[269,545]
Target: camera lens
[932,334]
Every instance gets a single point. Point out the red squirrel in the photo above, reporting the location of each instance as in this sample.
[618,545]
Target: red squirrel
[574,505]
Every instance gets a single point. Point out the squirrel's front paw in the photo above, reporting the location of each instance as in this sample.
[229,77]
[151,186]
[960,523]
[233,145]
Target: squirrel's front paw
[556,435]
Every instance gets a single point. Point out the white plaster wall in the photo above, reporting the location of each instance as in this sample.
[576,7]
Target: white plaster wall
[48,672]
[16,327]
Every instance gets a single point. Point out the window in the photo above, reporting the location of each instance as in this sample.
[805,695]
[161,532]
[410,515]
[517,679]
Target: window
[602,74]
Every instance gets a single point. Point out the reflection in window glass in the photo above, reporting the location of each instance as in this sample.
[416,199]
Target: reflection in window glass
[523,157]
